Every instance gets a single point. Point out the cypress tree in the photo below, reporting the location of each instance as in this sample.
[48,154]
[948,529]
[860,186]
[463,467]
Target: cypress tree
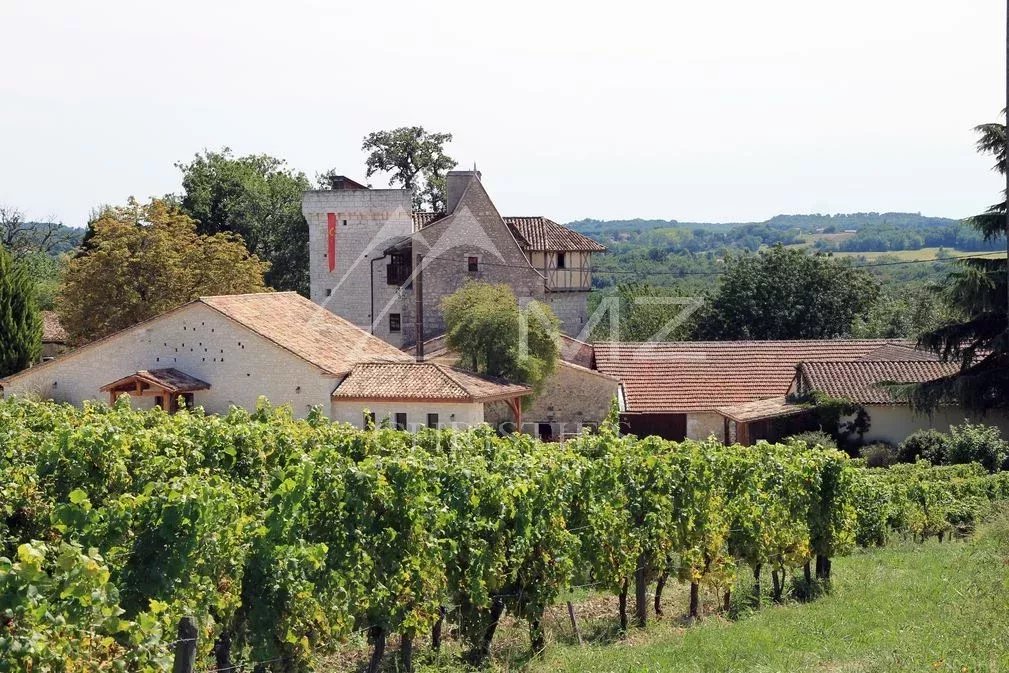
[20,321]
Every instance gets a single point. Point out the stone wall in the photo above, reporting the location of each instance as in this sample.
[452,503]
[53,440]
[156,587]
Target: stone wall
[239,365]
[475,229]
[572,308]
[450,415]
[367,221]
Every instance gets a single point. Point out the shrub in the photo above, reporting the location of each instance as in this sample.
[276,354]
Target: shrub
[931,445]
[970,443]
[879,454]
[812,439]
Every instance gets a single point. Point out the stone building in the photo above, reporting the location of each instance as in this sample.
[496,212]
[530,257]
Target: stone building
[369,252]
[230,351]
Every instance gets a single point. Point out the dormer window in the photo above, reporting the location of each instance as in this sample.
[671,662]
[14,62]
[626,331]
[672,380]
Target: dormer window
[473,264]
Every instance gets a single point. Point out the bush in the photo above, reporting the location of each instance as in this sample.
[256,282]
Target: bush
[931,445]
[969,443]
[879,454]
[812,439]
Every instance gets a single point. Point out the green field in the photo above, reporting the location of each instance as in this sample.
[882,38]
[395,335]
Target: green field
[909,607]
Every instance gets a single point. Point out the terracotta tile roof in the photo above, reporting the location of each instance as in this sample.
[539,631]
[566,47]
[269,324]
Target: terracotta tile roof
[774,407]
[52,329]
[306,329]
[540,233]
[571,350]
[170,380]
[897,352]
[533,233]
[681,377]
[423,381]
[860,381]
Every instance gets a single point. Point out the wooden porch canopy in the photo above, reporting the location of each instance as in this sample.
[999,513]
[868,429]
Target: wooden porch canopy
[755,420]
[166,383]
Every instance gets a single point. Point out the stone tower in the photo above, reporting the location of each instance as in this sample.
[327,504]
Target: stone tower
[349,227]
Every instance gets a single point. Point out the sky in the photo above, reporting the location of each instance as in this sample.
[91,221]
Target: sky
[697,111]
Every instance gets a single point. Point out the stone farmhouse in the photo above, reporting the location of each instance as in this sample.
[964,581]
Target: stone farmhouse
[746,391]
[225,351]
[369,252]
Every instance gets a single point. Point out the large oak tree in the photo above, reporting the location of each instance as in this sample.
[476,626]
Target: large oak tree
[145,259]
[257,197]
[784,293]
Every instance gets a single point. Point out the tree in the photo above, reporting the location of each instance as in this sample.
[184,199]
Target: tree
[904,313]
[416,159]
[784,293]
[486,326]
[146,259]
[23,238]
[979,343]
[645,312]
[258,198]
[20,322]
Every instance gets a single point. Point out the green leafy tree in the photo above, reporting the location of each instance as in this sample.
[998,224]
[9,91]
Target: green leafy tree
[644,312]
[20,322]
[147,259]
[784,293]
[979,343]
[257,197]
[904,313]
[416,160]
[495,337]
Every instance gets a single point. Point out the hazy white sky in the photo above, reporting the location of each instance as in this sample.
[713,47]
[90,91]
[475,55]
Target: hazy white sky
[706,111]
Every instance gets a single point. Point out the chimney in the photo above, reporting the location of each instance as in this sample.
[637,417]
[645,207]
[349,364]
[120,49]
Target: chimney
[455,185]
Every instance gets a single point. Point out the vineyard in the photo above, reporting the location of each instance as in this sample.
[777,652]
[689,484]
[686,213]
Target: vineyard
[285,538]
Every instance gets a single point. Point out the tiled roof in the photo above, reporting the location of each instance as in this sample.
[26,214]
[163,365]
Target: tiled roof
[539,233]
[774,407]
[897,352]
[52,329]
[533,233]
[428,381]
[705,375]
[170,379]
[861,381]
[306,329]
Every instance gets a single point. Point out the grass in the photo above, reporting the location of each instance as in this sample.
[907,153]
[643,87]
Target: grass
[908,607]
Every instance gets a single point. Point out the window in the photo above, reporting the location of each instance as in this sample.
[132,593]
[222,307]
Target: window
[400,421]
[329,291]
[369,420]
[345,223]
[432,420]
[473,264]
[561,260]
[395,323]
[398,270]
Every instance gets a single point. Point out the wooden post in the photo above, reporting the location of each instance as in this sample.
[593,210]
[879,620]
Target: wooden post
[574,622]
[185,647]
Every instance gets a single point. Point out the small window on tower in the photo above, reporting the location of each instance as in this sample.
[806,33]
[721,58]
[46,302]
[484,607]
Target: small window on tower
[561,260]
[345,223]
[329,292]
[473,264]
[395,322]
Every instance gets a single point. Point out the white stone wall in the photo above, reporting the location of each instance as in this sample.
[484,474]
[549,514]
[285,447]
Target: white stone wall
[702,425]
[455,415]
[367,222]
[239,365]
[572,309]
[894,423]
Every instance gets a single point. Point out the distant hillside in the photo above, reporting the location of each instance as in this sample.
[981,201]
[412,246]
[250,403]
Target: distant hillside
[804,223]
[659,250]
